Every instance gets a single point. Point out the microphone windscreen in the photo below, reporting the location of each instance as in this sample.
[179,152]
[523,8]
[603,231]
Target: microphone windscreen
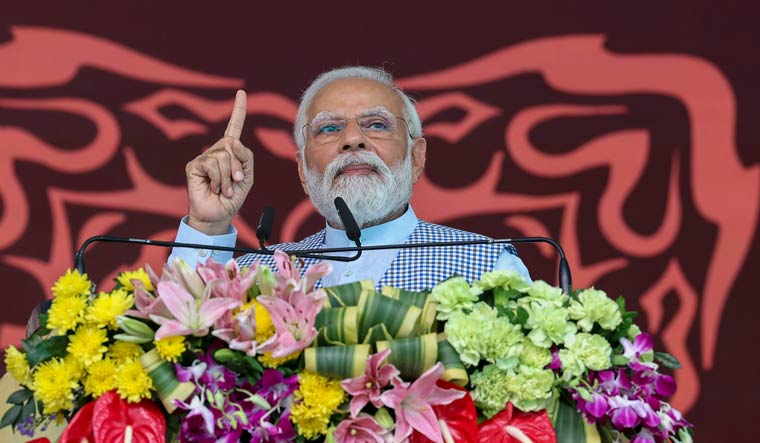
[264,230]
[349,222]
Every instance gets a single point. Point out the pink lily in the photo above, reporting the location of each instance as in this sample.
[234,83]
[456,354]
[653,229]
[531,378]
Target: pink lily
[293,322]
[231,281]
[289,279]
[366,388]
[238,330]
[185,276]
[190,315]
[363,429]
[413,404]
[146,303]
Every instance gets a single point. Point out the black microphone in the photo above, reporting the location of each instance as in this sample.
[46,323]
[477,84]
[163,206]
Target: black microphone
[264,230]
[349,222]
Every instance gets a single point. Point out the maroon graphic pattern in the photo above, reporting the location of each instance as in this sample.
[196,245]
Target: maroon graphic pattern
[630,159]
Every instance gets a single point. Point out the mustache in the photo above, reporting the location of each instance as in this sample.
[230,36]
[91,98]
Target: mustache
[356,158]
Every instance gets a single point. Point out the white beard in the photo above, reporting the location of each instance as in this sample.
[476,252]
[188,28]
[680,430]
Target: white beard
[372,198]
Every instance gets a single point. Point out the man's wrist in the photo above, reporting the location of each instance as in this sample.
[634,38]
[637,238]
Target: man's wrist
[209,228]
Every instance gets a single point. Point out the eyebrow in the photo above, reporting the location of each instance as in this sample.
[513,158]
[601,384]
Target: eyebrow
[328,115]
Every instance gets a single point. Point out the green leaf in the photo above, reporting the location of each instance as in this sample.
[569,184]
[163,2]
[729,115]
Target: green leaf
[29,343]
[522,316]
[667,360]
[28,409]
[47,349]
[20,396]
[11,416]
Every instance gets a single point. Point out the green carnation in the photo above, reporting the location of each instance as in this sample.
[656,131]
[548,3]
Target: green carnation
[542,292]
[454,294]
[502,339]
[585,351]
[502,279]
[492,389]
[532,388]
[593,306]
[548,324]
[528,388]
[535,356]
[466,333]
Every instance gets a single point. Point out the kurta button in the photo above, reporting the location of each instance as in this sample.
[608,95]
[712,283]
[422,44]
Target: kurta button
[203,252]
[348,273]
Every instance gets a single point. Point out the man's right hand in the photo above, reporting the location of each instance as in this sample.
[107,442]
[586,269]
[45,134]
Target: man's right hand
[219,180]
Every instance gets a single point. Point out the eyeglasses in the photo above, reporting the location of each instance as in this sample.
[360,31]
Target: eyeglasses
[383,126]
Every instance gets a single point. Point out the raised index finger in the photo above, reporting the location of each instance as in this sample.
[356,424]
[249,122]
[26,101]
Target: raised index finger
[235,126]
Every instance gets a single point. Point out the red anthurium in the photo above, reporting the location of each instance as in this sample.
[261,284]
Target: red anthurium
[460,418]
[109,419]
[514,426]
[116,421]
[39,440]
[79,429]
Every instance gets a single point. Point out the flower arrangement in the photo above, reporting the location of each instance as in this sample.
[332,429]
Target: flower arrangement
[223,354]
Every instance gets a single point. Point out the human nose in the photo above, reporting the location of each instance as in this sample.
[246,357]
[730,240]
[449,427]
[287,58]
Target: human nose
[353,136]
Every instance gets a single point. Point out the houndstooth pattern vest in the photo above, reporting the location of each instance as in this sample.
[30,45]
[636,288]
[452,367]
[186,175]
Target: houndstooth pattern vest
[420,268]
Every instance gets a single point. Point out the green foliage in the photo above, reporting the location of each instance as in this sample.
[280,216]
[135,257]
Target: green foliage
[667,360]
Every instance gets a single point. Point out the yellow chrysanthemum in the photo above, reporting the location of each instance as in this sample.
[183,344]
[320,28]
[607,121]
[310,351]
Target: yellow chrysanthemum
[72,283]
[318,398]
[66,313]
[121,351]
[101,378]
[17,365]
[268,361]
[104,309]
[170,348]
[53,386]
[126,277]
[76,369]
[133,383]
[87,344]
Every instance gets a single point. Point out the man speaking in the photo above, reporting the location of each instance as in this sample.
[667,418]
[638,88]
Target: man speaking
[359,137]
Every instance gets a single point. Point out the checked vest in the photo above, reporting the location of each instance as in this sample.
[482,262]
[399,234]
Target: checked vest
[420,268]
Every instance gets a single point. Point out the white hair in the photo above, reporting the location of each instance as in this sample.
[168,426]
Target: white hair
[413,122]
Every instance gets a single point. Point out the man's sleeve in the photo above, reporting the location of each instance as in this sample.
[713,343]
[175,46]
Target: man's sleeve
[508,260]
[186,234]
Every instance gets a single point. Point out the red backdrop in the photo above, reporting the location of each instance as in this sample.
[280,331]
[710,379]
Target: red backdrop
[630,135]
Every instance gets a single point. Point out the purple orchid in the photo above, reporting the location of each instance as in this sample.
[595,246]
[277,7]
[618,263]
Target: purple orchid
[198,424]
[206,373]
[274,387]
[597,407]
[646,375]
[366,388]
[628,413]
[189,315]
[556,363]
[643,436]
[613,383]
[642,344]
[413,404]
[267,432]
[361,429]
